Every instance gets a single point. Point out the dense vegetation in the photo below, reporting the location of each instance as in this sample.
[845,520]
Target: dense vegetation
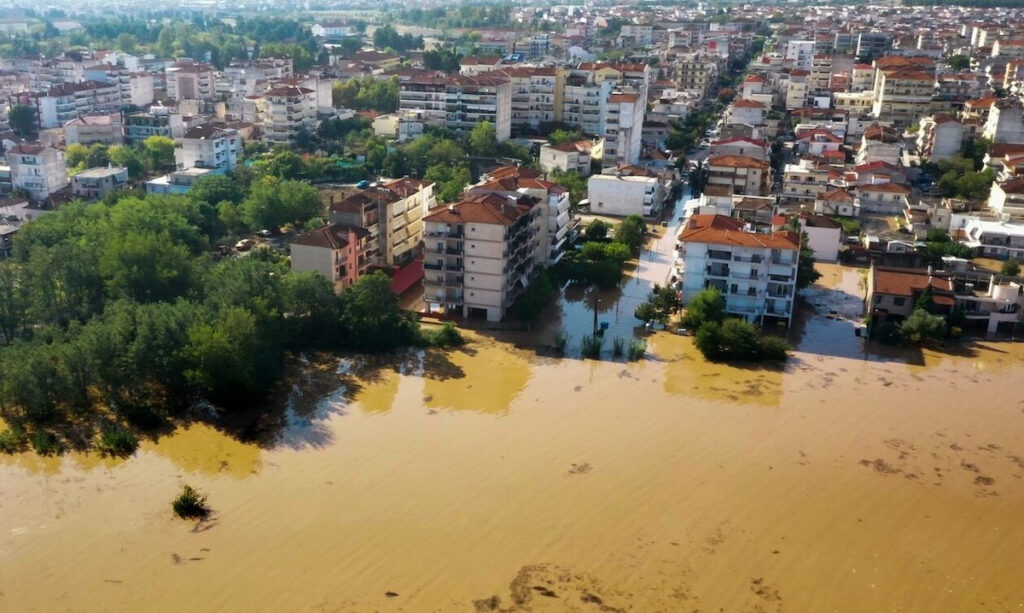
[722,339]
[116,315]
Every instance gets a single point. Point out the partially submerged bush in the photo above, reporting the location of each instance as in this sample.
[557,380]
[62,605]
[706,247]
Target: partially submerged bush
[590,346]
[10,441]
[637,348]
[618,346]
[561,340]
[447,336]
[45,443]
[738,340]
[190,504]
[118,442]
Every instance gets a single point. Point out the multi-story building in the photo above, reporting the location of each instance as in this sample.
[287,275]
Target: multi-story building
[95,183]
[536,97]
[754,271]
[1005,121]
[480,254]
[391,212]
[191,81]
[290,111]
[623,129]
[209,147]
[558,225]
[136,89]
[1007,198]
[871,45]
[574,156]
[88,129]
[801,52]
[994,239]
[742,174]
[424,95]
[159,121]
[621,194]
[37,169]
[939,137]
[698,73]
[62,103]
[336,251]
[460,102]
[472,100]
[177,182]
[805,182]
[747,112]
[797,86]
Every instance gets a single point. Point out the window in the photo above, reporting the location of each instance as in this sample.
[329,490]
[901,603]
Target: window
[899,301]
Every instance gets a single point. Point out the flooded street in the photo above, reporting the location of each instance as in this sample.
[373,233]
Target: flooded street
[490,477]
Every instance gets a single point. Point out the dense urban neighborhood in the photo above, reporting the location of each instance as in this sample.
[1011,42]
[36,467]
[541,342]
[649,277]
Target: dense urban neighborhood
[203,205]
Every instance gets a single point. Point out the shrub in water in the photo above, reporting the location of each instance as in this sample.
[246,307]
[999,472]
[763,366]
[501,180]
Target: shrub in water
[10,441]
[190,504]
[561,340]
[45,443]
[116,441]
[591,346]
[618,345]
[637,348]
[447,336]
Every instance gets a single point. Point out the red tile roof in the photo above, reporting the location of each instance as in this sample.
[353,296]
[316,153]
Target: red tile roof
[722,230]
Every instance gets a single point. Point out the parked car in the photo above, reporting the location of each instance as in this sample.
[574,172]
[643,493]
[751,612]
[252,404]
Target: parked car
[264,233]
[245,244]
[363,184]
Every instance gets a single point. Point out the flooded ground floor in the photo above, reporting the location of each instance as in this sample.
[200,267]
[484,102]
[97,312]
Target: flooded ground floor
[494,478]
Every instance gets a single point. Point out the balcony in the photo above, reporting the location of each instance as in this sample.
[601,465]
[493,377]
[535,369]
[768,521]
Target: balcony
[719,255]
[717,271]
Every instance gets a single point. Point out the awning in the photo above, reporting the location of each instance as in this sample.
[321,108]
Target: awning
[407,277]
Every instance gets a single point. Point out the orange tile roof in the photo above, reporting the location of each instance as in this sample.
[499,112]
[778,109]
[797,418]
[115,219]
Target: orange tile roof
[737,161]
[722,230]
[488,208]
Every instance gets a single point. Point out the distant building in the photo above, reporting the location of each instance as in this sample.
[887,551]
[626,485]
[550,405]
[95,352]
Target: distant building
[89,129]
[290,111]
[191,81]
[37,169]
[573,156]
[159,121]
[621,194]
[177,182]
[209,147]
[95,183]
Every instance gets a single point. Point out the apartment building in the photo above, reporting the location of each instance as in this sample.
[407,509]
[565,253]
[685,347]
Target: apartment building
[880,144]
[89,129]
[804,182]
[558,225]
[801,52]
[1007,198]
[191,81]
[37,169]
[472,100]
[159,121]
[335,251]
[797,87]
[574,156]
[754,271]
[585,104]
[290,110]
[883,198]
[210,147]
[623,129]
[536,97]
[391,212]
[480,254]
[892,293]
[939,137]
[740,173]
[620,193]
[747,112]
[903,89]
[136,89]
[871,45]
[177,182]
[95,183]
[1005,121]
[424,95]
[62,103]
[698,73]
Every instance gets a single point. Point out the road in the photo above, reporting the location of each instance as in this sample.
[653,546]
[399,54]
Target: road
[658,256]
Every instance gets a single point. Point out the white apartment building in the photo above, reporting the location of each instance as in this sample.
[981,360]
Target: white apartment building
[159,121]
[1005,121]
[480,254]
[536,97]
[472,100]
[62,103]
[209,147]
[755,272]
[801,52]
[37,169]
[1007,198]
[804,182]
[621,195]
[136,88]
[567,157]
[191,81]
[424,95]
[939,137]
[289,110]
[623,129]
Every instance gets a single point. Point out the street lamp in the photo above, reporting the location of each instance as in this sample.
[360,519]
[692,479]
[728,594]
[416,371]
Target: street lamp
[597,301]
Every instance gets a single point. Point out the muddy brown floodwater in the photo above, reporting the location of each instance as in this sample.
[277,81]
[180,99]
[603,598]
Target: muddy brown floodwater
[492,478]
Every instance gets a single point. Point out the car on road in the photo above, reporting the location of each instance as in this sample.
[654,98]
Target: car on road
[245,244]
[363,184]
